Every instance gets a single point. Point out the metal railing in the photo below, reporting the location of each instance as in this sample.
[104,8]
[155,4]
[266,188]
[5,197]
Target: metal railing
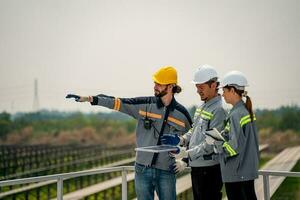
[124,169]
[61,177]
[266,175]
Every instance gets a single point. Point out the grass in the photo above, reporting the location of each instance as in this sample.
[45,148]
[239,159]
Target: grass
[264,158]
[290,188]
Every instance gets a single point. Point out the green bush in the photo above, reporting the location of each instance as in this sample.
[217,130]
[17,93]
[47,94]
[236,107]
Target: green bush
[281,119]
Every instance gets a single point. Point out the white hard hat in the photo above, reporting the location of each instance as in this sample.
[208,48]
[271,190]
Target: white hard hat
[204,73]
[235,78]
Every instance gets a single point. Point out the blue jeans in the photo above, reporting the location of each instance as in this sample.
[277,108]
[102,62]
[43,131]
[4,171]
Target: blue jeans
[148,179]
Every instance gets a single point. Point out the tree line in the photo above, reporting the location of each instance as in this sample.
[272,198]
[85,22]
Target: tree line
[54,122]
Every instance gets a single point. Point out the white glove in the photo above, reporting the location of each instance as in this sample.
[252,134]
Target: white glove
[215,150]
[179,166]
[182,140]
[180,153]
[218,147]
[209,140]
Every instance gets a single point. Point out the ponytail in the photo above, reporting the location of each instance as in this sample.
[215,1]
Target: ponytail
[176,89]
[248,105]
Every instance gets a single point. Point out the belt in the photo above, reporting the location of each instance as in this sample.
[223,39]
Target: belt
[141,165]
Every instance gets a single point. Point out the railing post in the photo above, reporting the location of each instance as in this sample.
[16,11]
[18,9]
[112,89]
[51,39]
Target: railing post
[60,188]
[124,184]
[266,187]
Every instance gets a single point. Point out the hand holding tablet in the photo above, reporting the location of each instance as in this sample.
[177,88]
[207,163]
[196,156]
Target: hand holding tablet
[215,134]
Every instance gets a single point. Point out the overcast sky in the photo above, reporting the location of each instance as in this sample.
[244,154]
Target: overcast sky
[114,46]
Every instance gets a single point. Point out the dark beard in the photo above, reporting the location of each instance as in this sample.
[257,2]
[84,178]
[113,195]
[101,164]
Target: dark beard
[162,93]
[203,99]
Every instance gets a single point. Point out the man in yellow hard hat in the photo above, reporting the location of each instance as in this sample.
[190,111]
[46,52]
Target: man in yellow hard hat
[156,116]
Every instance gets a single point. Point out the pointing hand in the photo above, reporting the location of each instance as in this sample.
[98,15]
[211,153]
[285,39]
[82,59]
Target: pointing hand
[76,97]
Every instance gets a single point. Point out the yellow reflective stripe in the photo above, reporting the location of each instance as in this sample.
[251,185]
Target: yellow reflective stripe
[245,122]
[227,127]
[203,111]
[153,115]
[191,130]
[246,119]
[205,116]
[229,149]
[176,121]
[117,104]
[196,115]
[198,110]
[207,113]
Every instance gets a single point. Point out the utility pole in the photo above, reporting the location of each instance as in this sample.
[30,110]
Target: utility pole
[36,97]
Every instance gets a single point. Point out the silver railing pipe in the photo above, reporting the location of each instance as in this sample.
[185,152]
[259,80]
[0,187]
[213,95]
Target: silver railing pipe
[266,175]
[59,178]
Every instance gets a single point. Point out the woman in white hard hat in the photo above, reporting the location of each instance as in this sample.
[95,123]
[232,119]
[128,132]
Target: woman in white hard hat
[238,154]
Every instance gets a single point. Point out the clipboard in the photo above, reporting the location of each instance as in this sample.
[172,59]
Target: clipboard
[215,134]
[157,149]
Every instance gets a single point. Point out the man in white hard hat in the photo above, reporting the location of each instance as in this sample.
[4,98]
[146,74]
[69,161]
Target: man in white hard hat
[206,174]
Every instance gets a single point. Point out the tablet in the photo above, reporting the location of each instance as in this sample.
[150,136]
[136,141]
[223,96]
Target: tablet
[214,133]
[157,149]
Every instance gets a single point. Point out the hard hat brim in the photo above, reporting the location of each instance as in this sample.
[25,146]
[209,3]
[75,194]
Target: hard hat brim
[236,86]
[196,82]
[162,83]
[155,80]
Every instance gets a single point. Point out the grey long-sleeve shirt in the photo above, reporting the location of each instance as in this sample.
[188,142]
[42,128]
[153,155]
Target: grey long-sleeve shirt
[209,115]
[239,159]
[173,119]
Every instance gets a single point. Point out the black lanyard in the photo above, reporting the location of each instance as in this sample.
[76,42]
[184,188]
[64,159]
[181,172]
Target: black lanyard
[160,134]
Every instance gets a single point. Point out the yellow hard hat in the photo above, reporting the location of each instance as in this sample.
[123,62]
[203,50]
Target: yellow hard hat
[165,75]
